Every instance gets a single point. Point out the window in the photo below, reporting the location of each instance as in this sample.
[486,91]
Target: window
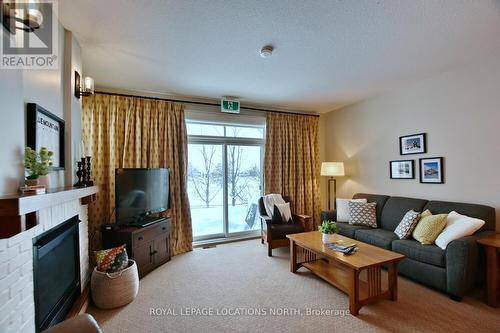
[224,178]
[204,129]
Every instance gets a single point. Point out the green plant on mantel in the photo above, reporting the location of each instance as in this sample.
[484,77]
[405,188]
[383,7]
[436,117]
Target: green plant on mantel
[328,227]
[37,163]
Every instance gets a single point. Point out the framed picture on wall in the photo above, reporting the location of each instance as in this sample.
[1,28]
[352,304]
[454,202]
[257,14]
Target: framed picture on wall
[44,129]
[402,169]
[412,144]
[431,170]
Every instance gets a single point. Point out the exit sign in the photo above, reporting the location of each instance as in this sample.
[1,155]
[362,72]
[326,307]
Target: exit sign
[230,105]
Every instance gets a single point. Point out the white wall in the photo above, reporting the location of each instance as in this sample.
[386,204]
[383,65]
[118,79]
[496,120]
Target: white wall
[459,111]
[72,105]
[53,90]
[47,88]
[13,129]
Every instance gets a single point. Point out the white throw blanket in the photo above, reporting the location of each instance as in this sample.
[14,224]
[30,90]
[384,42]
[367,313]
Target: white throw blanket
[270,200]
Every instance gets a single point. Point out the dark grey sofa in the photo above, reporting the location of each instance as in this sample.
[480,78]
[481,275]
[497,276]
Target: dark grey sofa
[453,270]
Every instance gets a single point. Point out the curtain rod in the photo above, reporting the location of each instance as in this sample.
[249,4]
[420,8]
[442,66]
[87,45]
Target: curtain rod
[200,103]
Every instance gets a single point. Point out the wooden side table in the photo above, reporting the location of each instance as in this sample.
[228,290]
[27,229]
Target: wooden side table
[492,244]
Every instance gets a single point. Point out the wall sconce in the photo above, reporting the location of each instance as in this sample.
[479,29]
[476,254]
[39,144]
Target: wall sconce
[25,16]
[85,89]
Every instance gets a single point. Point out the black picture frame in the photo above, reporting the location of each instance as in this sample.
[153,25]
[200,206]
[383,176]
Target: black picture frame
[411,169]
[78,84]
[428,178]
[423,144]
[33,113]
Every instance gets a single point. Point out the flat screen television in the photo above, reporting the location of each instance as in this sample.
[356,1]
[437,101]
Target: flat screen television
[140,192]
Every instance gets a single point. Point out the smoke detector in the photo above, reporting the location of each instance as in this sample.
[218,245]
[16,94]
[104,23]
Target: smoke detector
[266,51]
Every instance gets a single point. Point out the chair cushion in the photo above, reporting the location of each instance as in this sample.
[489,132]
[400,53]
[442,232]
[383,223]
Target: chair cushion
[379,237]
[348,230]
[395,209]
[430,254]
[279,231]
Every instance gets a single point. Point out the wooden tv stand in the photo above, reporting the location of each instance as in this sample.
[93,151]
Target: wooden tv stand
[148,246]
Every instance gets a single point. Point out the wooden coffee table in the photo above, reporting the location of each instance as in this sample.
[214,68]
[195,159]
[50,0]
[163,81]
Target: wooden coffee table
[308,250]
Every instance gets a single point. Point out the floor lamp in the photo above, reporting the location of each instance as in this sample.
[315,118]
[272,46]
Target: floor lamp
[332,169]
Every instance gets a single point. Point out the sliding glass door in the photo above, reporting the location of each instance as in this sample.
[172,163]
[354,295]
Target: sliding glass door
[224,179]
[244,183]
[205,189]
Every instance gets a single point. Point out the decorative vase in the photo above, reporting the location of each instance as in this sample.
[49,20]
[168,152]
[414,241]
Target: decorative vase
[328,238]
[43,180]
[31,182]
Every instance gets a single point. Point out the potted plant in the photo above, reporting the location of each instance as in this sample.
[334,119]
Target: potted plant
[37,165]
[328,230]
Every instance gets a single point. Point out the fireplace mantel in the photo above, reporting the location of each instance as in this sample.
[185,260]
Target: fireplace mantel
[18,212]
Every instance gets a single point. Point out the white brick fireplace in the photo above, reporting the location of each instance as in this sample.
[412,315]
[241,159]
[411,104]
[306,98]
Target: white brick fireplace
[17,311]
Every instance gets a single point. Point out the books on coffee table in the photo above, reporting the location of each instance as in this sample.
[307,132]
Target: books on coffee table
[342,246]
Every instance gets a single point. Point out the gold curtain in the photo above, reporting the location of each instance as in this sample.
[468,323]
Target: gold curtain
[291,164]
[133,132]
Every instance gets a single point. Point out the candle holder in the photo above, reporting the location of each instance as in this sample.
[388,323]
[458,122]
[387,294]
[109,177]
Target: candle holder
[87,180]
[84,172]
[79,174]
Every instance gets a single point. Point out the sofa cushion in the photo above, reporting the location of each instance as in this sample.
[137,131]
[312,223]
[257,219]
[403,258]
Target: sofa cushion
[429,227]
[348,230]
[429,254]
[395,209]
[343,210]
[279,231]
[485,213]
[407,224]
[457,226]
[379,237]
[362,213]
[380,200]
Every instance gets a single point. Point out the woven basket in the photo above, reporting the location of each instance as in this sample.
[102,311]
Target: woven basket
[111,290]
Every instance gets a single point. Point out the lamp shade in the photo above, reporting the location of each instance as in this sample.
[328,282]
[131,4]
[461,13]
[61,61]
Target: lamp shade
[332,169]
[88,86]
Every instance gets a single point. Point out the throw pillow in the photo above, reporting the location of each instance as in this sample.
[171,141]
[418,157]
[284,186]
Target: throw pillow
[112,260]
[286,213]
[407,224]
[457,226]
[278,217]
[363,213]
[429,227]
[425,213]
[343,208]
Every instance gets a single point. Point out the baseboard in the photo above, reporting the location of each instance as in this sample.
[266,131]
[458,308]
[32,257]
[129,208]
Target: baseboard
[81,304]
[218,241]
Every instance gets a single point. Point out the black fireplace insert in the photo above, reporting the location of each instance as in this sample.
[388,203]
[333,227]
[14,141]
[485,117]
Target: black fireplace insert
[56,269]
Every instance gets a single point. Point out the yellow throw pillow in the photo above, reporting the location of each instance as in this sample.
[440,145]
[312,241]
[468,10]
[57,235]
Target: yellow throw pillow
[429,227]
[425,213]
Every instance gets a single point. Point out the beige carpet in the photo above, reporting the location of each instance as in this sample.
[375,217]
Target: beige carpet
[250,292]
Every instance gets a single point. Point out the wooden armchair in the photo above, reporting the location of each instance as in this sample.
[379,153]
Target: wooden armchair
[275,233]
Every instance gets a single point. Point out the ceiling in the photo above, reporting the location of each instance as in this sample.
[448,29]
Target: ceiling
[327,53]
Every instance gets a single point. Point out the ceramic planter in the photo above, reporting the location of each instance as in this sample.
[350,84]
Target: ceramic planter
[43,180]
[328,238]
